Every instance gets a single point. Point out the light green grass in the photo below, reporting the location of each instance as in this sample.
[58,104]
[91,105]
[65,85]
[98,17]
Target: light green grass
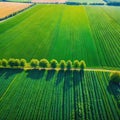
[86,1]
[62,32]
[58,95]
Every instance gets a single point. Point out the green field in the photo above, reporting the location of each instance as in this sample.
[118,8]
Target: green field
[86,1]
[51,31]
[63,32]
[60,95]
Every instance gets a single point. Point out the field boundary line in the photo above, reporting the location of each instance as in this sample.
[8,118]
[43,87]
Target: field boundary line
[8,88]
[87,69]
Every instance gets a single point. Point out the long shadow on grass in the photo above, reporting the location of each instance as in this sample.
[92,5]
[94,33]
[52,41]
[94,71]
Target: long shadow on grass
[114,89]
[50,74]
[35,74]
[9,72]
[77,77]
[67,80]
[60,77]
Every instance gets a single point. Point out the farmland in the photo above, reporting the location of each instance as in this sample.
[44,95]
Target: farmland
[66,29]
[57,95]
[87,1]
[7,8]
[49,1]
[61,32]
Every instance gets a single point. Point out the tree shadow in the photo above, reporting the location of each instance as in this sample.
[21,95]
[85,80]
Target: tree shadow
[60,77]
[78,76]
[35,74]
[9,72]
[67,80]
[50,74]
[114,89]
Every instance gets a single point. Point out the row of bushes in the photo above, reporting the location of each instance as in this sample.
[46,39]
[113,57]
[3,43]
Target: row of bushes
[113,3]
[43,63]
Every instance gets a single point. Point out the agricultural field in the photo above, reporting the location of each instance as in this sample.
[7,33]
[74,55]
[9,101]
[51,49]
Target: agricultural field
[61,95]
[66,30]
[61,32]
[18,0]
[8,8]
[86,1]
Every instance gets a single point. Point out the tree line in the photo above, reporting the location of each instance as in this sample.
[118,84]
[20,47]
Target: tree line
[43,63]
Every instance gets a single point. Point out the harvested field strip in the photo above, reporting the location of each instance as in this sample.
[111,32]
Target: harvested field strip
[8,8]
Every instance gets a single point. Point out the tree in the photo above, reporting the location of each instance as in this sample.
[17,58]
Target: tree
[11,62]
[76,64]
[62,64]
[23,62]
[53,63]
[69,64]
[82,64]
[34,63]
[115,77]
[4,62]
[17,62]
[43,63]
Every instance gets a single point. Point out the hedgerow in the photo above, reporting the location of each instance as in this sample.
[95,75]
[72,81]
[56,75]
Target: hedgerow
[43,63]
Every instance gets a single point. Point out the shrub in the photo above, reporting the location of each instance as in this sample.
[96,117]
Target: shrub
[53,63]
[13,62]
[115,77]
[17,62]
[69,64]
[76,64]
[62,64]
[23,62]
[82,64]
[4,62]
[34,63]
[44,63]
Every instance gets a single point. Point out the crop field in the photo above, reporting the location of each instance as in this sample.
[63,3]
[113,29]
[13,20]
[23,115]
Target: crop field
[49,1]
[8,8]
[112,13]
[61,95]
[87,1]
[61,32]
[70,32]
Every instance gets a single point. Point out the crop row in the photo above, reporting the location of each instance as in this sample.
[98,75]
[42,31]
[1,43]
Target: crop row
[59,95]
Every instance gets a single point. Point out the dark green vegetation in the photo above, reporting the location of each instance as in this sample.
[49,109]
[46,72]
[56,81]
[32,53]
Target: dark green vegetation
[115,77]
[63,32]
[60,95]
